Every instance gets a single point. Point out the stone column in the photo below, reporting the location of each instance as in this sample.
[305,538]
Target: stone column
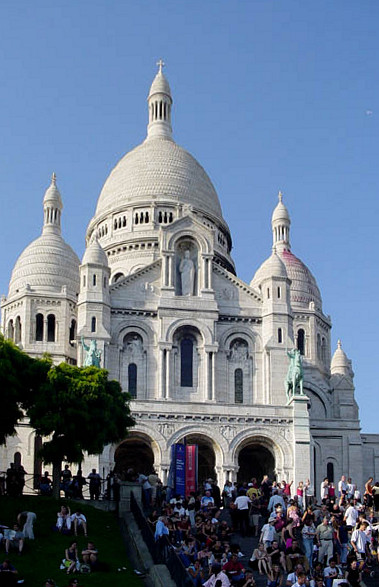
[168,373]
[161,372]
[301,439]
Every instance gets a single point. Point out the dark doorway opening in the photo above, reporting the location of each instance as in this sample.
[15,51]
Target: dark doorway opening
[134,453]
[255,460]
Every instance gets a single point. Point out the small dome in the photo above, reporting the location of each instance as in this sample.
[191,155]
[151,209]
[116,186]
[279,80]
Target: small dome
[272,267]
[304,288]
[52,194]
[340,363]
[46,265]
[160,85]
[280,212]
[94,254]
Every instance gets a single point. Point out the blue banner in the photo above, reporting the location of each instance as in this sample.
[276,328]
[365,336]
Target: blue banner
[180,469]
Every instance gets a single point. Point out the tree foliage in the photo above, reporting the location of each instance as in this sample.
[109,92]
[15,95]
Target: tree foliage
[81,410]
[20,377]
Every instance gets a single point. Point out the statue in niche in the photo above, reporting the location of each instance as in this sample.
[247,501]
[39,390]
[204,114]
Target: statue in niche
[134,347]
[238,352]
[93,355]
[187,273]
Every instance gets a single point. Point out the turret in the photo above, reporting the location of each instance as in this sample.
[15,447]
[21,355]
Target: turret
[160,103]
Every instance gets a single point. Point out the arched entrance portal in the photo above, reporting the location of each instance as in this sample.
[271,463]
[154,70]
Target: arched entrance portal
[206,456]
[134,453]
[255,460]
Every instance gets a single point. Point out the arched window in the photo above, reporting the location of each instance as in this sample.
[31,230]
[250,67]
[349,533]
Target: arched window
[17,459]
[280,335]
[238,386]
[84,280]
[132,379]
[72,333]
[10,330]
[117,277]
[330,472]
[323,349]
[319,347]
[301,341]
[51,328]
[17,330]
[186,363]
[93,324]
[39,327]
[268,293]
[279,293]
[94,279]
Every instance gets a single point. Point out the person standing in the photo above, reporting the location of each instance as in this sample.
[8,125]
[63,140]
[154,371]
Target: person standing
[324,534]
[94,484]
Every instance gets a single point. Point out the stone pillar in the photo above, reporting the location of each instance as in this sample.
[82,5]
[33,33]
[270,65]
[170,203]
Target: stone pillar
[301,439]
[125,490]
[168,373]
[162,367]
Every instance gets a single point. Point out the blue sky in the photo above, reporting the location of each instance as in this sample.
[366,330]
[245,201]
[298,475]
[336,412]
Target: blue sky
[268,95]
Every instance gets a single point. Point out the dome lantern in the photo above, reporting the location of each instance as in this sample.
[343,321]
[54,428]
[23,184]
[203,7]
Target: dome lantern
[52,208]
[159,103]
[280,223]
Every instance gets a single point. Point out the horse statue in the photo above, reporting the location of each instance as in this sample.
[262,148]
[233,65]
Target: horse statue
[295,374]
[93,355]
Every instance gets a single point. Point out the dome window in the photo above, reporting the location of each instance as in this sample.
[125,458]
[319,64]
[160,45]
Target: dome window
[84,281]
[17,330]
[51,328]
[72,333]
[268,293]
[93,324]
[94,279]
[280,335]
[301,341]
[10,330]
[279,293]
[39,327]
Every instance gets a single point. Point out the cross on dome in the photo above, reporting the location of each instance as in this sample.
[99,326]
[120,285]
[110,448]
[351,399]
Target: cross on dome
[160,64]
[280,196]
[54,178]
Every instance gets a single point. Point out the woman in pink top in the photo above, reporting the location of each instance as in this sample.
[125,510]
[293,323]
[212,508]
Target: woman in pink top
[300,494]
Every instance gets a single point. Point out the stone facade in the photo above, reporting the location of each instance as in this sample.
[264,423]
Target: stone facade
[203,354]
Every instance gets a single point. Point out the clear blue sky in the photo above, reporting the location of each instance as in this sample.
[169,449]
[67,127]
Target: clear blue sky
[268,95]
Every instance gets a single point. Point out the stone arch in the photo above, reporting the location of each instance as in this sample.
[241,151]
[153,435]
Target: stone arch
[140,327]
[252,338]
[207,436]
[320,396]
[189,323]
[138,449]
[270,439]
[204,245]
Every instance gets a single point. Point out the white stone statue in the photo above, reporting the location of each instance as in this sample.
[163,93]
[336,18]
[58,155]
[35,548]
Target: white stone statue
[134,347]
[187,272]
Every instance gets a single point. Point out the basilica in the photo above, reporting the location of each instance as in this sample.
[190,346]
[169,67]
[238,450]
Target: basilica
[203,355]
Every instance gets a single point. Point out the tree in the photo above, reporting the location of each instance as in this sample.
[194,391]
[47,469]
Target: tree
[20,377]
[81,411]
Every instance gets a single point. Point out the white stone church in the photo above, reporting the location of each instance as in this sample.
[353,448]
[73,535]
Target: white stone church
[202,354]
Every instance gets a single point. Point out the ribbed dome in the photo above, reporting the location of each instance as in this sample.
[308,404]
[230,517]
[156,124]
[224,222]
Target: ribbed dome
[280,212]
[160,85]
[272,267]
[95,254]
[159,170]
[304,288]
[47,264]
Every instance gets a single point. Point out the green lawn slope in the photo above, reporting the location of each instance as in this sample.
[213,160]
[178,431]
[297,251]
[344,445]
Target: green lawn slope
[41,557]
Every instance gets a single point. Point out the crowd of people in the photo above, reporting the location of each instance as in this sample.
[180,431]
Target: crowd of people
[295,539]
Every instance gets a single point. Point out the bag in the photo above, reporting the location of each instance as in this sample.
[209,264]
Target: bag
[85,569]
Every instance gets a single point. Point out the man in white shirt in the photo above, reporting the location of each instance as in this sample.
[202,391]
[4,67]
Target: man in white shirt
[342,488]
[324,490]
[351,516]
[268,534]
[331,572]
[359,541]
[242,503]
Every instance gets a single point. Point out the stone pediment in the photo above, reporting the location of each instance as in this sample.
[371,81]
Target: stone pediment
[342,382]
[189,223]
[139,288]
[232,292]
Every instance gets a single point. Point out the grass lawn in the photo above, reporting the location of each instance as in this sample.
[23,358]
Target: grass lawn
[41,557]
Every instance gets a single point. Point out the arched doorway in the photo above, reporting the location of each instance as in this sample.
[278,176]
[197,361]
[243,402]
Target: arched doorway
[255,460]
[206,457]
[134,453]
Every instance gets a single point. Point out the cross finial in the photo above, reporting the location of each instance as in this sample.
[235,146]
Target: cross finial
[280,196]
[160,64]
[54,178]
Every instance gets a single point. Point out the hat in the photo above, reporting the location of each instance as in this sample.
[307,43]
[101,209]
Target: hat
[250,485]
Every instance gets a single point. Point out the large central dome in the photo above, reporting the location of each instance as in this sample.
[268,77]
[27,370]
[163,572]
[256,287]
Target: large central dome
[159,170]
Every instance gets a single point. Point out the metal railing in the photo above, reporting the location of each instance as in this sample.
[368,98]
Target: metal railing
[162,551]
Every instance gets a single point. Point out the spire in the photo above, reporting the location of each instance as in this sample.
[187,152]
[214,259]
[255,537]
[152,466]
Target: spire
[52,208]
[280,223]
[340,364]
[159,102]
